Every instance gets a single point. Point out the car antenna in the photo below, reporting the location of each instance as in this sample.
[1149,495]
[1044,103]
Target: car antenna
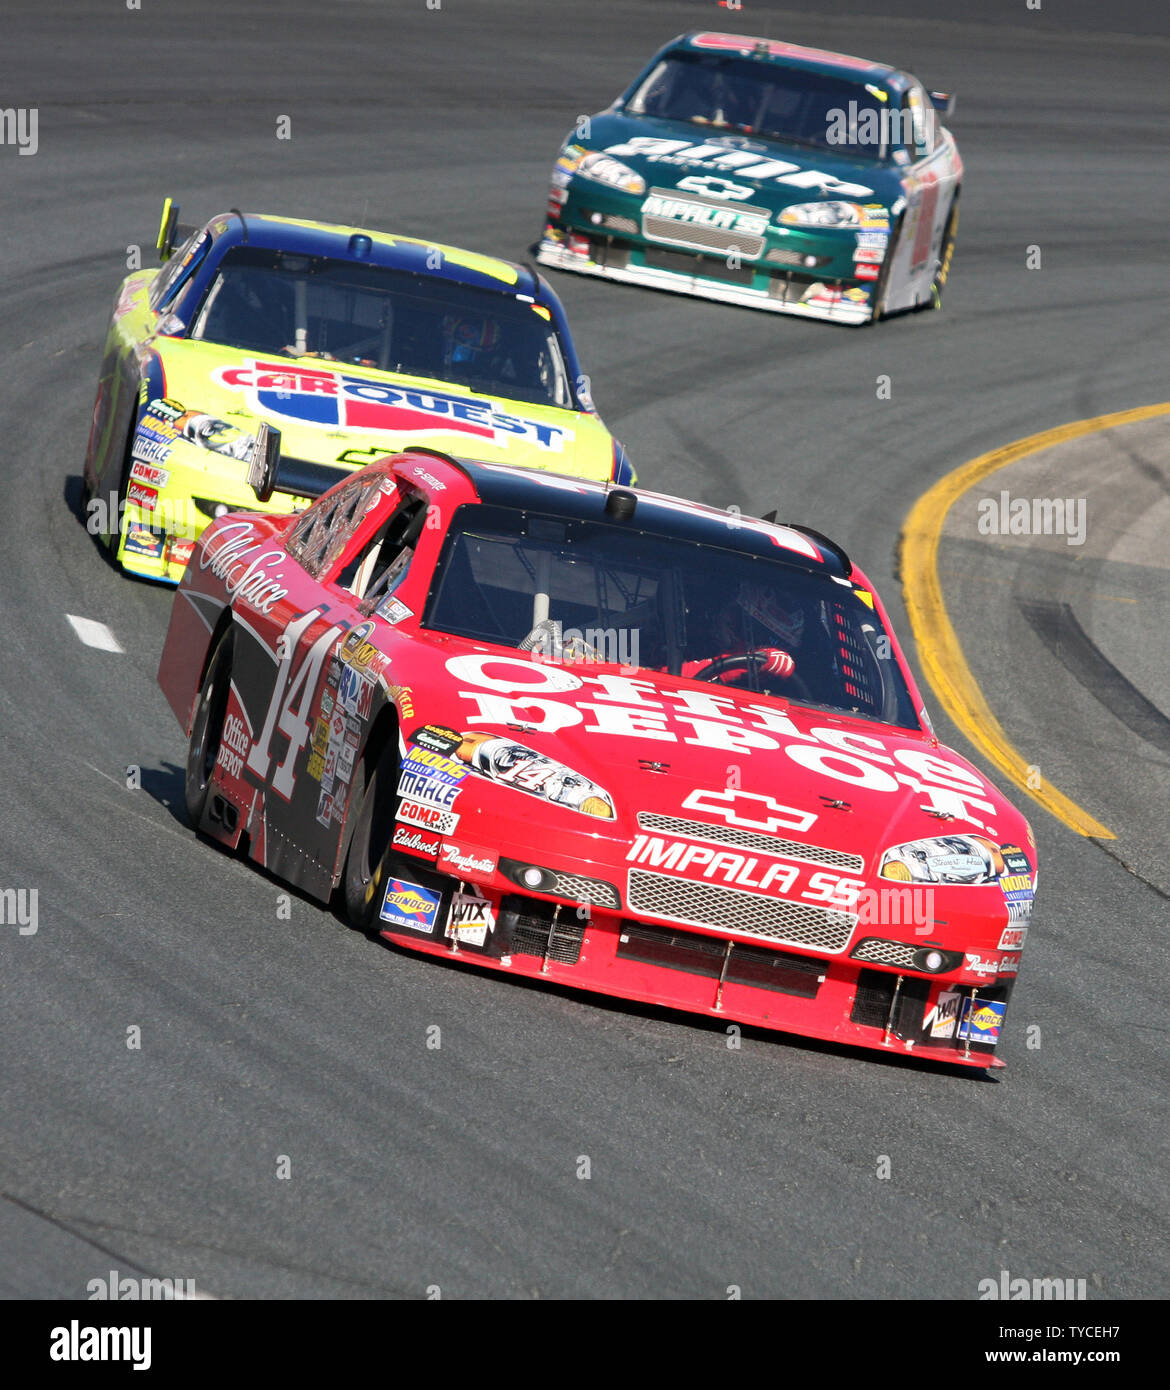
[243,224]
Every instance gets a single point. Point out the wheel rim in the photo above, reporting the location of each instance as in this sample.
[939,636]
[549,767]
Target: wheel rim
[209,720]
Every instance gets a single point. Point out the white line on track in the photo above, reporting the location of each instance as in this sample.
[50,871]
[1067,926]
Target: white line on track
[95,634]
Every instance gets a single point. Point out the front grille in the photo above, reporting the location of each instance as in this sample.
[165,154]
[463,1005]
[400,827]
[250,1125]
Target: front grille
[790,285]
[529,928]
[886,953]
[702,237]
[748,839]
[610,221]
[586,890]
[706,267]
[576,887]
[732,910]
[758,966]
[875,994]
[780,255]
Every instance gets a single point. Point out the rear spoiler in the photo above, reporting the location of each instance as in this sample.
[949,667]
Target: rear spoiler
[269,471]
[170,233]
[944,102]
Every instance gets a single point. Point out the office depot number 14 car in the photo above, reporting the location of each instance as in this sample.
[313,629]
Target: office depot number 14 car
[604,737]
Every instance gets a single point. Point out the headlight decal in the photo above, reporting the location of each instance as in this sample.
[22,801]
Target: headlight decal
[603,168]
[834,213]
[513,764]
[945,859]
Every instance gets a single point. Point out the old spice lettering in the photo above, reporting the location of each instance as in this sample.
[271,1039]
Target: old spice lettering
[231,557]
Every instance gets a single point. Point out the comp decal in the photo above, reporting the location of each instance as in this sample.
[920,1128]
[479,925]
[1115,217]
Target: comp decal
[427,817]
[314,396]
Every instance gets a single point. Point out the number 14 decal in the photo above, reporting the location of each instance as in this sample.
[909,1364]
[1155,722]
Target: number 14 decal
[288,709]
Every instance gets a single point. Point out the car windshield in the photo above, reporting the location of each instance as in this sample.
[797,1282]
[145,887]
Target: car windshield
[762,98]
[421,326]
[584,591]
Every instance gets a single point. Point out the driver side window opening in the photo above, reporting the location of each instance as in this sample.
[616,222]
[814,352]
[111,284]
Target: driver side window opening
[179,269]
[375,571]
[324,529]
[922,121]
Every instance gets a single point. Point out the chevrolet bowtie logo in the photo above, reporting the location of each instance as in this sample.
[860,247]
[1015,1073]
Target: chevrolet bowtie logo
[713,187]
[749,810]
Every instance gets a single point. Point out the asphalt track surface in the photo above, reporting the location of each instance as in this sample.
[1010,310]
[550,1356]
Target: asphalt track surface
[458,1167]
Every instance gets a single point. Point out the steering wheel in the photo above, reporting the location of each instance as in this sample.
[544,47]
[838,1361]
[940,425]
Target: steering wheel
[747,661]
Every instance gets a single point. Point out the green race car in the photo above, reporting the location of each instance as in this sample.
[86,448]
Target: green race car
[766,175]
[268,357]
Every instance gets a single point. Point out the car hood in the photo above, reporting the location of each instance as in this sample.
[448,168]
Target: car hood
[333,412]
[654,149]
[670,747]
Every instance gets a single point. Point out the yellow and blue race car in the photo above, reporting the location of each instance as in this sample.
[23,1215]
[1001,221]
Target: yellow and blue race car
[268,357]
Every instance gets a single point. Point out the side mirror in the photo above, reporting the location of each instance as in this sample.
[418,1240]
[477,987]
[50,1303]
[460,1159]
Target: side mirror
[944,102]
[170,234]
[166,230]
[263,463]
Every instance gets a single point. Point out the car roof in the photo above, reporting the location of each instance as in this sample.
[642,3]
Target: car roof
[301,237]
[656,514]
[788,55]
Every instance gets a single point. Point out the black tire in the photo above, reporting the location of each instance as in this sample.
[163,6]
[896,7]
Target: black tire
[207,728]
[116,499]
[879,285]
[368,860]
[945,256]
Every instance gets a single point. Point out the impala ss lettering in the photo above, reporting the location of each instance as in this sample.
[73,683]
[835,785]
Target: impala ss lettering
[514,691]
[743,870]
[234,562]
[701,214]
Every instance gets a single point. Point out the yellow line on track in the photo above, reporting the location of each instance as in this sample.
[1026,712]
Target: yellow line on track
[938,647]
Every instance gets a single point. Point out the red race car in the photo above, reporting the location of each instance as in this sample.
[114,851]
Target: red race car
[604,737]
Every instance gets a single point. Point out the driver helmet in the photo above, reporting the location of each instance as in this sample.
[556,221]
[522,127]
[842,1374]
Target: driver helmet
[468,337]
[758,617]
